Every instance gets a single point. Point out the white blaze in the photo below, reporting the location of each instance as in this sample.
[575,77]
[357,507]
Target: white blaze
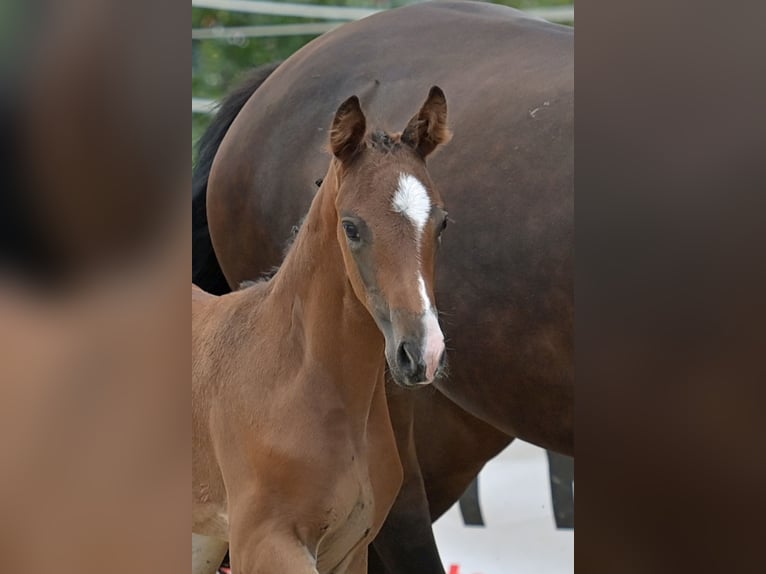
[411,200]
[433,345]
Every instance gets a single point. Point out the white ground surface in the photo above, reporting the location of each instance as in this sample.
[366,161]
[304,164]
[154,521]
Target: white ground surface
[520,536]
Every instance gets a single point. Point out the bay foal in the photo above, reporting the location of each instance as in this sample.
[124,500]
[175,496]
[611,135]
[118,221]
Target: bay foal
[295,464]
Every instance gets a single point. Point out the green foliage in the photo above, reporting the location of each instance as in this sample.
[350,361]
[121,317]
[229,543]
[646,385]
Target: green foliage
[218,63]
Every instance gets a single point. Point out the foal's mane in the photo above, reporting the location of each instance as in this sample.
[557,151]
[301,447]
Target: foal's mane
[384,142]
[267,275]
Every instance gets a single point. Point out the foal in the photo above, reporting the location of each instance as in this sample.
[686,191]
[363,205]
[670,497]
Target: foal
[295,463]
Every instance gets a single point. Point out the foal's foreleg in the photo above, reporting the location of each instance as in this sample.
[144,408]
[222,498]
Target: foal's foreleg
[264,552]
[207,554]
[355,563]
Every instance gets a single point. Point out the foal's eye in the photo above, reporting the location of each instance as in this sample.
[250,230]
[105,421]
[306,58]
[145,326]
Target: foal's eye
[351,231]
[443,226]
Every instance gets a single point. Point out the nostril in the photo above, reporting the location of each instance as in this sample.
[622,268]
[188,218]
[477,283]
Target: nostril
[406,362]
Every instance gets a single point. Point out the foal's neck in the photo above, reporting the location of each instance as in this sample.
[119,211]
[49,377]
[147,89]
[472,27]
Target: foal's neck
[337,329]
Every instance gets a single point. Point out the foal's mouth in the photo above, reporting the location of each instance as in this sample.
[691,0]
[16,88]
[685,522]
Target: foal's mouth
[414,348]
[417,379]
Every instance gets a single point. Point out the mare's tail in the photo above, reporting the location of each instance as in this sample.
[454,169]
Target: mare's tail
[206,272]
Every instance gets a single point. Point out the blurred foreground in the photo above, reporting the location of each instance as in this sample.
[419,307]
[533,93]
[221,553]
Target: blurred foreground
[94,227]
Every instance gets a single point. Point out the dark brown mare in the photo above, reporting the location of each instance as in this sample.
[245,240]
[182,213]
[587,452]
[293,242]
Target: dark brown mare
[295,462]
[506,271]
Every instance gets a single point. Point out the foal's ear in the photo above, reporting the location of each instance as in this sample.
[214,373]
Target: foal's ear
[348,127]
[428,128]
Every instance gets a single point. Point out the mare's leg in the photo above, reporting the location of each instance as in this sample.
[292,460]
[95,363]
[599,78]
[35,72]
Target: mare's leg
[207,554]
[374,563]
[405,543]
[452,452]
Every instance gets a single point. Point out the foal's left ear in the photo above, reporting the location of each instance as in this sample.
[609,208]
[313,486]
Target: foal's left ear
[348,127]
[428,128]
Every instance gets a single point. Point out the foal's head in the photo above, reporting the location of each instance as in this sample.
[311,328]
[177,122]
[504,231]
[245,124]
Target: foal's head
[390,218]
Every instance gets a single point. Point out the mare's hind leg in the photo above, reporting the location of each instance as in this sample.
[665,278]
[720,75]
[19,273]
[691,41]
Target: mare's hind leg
[207,554]
[452,453]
